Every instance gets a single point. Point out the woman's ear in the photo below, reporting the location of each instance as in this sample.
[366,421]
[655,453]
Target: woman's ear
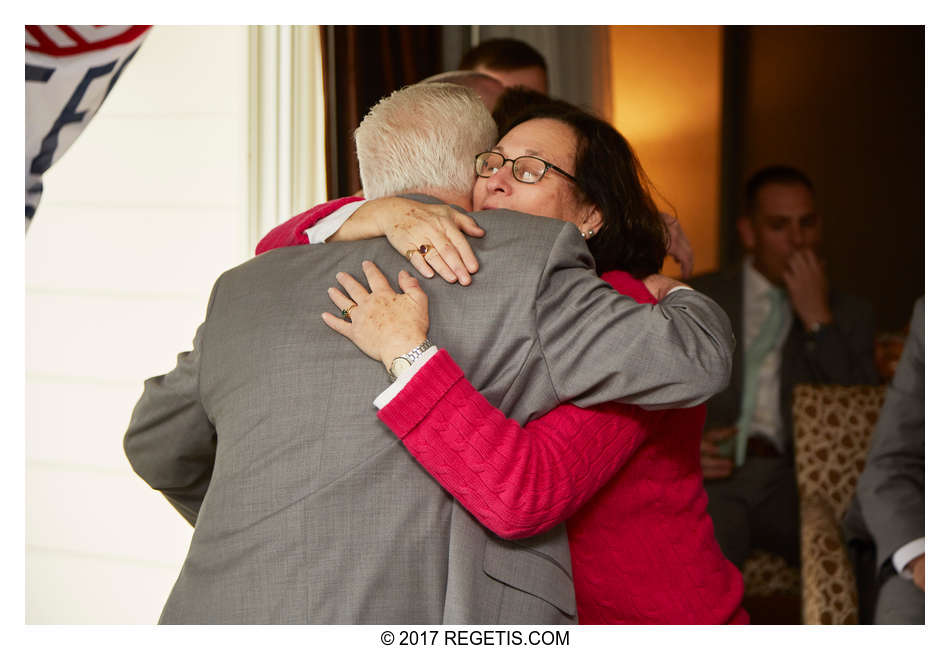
[593,219]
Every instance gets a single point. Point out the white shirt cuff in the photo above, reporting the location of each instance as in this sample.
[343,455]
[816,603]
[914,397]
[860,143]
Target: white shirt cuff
[387,395]
[905,554]
[321,231]
[678,287]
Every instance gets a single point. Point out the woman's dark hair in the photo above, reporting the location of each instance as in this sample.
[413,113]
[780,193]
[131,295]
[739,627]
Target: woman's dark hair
[633,237]
[516,101]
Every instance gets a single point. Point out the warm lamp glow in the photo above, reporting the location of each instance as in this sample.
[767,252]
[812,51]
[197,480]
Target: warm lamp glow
[667,91]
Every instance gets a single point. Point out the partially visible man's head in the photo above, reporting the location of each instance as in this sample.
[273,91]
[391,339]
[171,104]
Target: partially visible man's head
[513,62]
[424,138]
[779,219]
[487,87]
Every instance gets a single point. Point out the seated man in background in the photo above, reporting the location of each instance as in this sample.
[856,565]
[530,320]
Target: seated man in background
[888,507]
[790,328]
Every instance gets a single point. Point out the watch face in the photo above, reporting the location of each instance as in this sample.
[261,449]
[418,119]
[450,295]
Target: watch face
[400,365]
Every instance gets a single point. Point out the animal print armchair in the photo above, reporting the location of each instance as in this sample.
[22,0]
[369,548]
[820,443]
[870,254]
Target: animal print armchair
[833,426]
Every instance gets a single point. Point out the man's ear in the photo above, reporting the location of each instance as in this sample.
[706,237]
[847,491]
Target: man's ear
[746,233]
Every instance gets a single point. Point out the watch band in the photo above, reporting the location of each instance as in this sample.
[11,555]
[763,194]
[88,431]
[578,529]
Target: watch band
[401,363]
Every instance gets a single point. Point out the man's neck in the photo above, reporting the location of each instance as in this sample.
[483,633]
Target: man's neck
[464,201]
[761,279]
[754,280]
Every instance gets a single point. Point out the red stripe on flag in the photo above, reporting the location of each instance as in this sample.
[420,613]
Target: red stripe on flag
[73,34]
[45,41]
[48,47]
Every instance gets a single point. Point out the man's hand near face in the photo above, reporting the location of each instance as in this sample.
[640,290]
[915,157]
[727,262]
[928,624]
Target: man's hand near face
[808,288]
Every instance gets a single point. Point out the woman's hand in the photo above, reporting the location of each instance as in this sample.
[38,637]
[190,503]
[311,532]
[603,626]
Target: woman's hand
[410,224]
[384,324]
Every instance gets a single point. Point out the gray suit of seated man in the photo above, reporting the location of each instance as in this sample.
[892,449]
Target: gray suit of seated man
[306,508]
[885,523]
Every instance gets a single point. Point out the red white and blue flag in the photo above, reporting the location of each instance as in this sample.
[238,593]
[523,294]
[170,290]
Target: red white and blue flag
[70,70]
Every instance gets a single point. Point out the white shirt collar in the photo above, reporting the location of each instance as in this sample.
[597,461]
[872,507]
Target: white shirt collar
[755,285]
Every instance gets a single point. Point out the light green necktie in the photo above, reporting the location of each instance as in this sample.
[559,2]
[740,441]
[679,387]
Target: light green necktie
[764,343]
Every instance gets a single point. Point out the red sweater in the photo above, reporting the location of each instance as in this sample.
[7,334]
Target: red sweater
[642,546]
[293,231]
[627,480]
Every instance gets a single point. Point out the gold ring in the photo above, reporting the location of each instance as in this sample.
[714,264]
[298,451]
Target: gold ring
[346,312]
[410,253]
[426,248]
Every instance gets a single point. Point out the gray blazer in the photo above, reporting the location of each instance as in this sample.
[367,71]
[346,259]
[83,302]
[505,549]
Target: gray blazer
[308,510]
[842,353]
[888,507]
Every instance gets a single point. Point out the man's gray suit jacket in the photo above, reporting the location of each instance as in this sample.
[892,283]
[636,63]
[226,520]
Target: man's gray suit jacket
[888,507]
[308,510]
[842,353]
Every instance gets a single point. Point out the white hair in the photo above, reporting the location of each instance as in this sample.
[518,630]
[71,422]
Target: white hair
[423,138]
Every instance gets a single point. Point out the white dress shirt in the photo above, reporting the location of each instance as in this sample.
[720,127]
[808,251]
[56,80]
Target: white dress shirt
[321,231]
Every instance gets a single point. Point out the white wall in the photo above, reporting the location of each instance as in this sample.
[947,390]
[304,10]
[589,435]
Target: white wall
[138,218]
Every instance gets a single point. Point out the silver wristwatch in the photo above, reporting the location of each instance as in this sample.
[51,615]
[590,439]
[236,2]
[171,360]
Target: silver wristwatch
[401,364]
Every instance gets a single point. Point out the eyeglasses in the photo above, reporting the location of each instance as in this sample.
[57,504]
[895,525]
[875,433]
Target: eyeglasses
[527,169]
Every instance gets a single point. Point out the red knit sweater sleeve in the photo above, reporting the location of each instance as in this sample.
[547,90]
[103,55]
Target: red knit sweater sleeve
[293,231]
[517,481]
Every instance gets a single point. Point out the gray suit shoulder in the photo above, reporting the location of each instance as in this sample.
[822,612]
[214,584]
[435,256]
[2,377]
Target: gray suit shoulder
[891,489]
[888,506]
